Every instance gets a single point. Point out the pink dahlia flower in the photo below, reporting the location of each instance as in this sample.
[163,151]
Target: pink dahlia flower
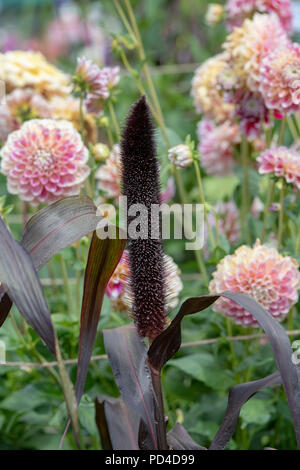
[108,174]
[261,272]
[44,161]
[248,44]
[216,145]
[97,81]
[281,162]
[280,79]
[115,288]
[238,10]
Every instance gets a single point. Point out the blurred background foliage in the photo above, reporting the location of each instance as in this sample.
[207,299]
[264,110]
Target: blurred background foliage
[195,384]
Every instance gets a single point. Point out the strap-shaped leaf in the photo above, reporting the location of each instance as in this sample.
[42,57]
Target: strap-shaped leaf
[237,397]
[127,354]
[117,424]
[57,226]
[104,256]
[52,229]
[20,279]
[168,343]
[179,439]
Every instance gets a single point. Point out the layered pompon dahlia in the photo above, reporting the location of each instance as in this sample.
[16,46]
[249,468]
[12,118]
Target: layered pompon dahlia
[247,46]
[207,98]
[280,79]
[238,10]
[271,279]
[281,162]
[216,146]
[44,161]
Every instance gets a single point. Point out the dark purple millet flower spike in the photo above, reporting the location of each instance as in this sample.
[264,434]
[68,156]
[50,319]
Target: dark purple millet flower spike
[140,183]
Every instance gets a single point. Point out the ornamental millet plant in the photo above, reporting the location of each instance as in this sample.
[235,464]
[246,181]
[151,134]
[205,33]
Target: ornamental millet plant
[140,184]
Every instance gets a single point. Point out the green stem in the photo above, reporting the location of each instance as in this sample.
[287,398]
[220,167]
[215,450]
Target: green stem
[280,223]
[114,119]
[266,209]
[201,266]
[66,282]
[282,131]
[292,128]
[245,188]
[202,199]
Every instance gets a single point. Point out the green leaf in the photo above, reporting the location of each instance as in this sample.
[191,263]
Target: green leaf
[257,411]
[204,367]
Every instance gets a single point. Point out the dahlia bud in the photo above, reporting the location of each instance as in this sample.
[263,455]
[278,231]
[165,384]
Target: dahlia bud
[101,152]
[214,13]
[140,184]
[181,156]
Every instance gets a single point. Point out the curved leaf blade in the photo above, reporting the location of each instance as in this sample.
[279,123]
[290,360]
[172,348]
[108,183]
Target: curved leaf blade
[127,354]
[179,439]
[52,229]
[103,258]
[20,279]
[237,397]
[57,226]
[168,343]
[118,425]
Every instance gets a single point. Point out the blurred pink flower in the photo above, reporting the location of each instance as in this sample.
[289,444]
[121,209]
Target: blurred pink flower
[8,123]
[25,103]
[44,161]
[281,162]
[252,113]
[257,207]
[261,272]
[247,46]
[238,10]
[119,290]
[225,216]
[108,175]
[98,82]
[216,146]
[280,79]
[115,288]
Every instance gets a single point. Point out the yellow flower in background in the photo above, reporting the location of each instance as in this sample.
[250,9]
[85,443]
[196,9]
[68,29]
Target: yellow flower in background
[68,109]
[207,98]
[20,69]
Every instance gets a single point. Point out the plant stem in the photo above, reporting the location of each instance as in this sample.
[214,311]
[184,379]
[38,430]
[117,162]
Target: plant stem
[245,188]
[159,410]
[280,224]
[114,119]
[66,283]
[201,266]
[292,128]
[202,199]
[266,209]
[282,130]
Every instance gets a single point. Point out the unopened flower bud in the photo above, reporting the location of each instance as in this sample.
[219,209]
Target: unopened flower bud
[101,152]
[214,13]
[181,156]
